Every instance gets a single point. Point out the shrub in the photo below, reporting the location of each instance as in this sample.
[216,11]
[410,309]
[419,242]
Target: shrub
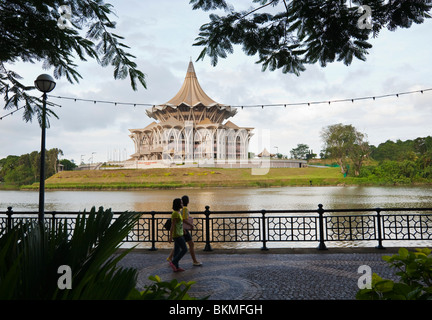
[161,290]
[30,257]
[415,272]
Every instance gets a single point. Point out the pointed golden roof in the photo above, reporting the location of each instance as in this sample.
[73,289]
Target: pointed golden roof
[191,96]
[191,93]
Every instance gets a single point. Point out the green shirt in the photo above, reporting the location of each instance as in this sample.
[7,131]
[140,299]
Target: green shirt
[178,227]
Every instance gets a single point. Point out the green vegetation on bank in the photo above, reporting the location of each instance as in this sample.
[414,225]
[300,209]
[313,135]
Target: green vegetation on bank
[190,178]
[16,171]
[391,163]
[384,174]
[400,162]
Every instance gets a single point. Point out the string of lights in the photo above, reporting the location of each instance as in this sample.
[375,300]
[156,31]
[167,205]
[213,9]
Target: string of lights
[308,103]
[19,108]
[336,100]
[263,105]
[103,101]
[11,113]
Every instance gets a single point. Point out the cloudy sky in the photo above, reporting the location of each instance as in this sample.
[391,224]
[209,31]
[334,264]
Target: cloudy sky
[161,34]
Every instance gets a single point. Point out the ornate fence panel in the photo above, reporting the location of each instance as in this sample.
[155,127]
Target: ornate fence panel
[349,228]
[235,229]
[142,230]
[407,227]
[266,226]
[292,228]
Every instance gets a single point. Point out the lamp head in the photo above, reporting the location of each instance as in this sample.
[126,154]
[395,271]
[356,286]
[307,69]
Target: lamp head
[45,83]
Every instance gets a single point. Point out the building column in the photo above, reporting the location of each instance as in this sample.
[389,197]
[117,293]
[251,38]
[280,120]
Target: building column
[188,133]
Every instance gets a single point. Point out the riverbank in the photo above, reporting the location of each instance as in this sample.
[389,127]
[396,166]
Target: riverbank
[173,178]
[190,178]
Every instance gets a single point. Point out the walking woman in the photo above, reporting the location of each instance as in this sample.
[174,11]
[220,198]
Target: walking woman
[186,233]
[176,234]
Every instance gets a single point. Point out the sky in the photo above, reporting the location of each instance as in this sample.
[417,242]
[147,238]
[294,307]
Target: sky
[161,34]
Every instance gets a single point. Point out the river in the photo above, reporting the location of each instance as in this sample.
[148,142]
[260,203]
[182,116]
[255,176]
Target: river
[232,199]
[219,199]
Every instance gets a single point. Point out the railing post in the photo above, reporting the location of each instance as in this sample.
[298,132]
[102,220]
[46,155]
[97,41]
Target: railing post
[320,211]
[264,233]
[9,219]
[53,222]
[379,246]
[207,227]
[153,232]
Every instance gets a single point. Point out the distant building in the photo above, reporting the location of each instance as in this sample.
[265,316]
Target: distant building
[190,128]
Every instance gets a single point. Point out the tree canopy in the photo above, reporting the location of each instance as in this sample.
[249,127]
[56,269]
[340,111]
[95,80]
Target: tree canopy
[57,33]
[402,150]
[25,169]
[344,143]
[302,32]
[302,152]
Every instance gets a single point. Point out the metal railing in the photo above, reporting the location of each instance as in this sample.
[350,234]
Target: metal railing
[269,226]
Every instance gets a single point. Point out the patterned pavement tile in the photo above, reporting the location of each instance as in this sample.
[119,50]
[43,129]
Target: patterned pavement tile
[263,276]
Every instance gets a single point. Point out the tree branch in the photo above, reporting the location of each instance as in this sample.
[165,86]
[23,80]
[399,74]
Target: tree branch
[242,17]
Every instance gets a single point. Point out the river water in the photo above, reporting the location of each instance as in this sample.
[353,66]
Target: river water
[232,199]
[219,199]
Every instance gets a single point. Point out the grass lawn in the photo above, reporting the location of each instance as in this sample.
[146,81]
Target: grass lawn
[191,177]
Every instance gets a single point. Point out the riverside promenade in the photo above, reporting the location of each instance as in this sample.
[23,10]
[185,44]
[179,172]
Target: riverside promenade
[276,274]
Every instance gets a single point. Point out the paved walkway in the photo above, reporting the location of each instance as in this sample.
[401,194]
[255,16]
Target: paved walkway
[277,274]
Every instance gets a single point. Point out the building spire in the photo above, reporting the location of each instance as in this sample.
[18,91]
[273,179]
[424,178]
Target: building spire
[191,93]
[190,69]
[193,96]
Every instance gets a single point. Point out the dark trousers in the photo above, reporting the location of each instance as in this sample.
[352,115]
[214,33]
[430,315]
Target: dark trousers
[180,250]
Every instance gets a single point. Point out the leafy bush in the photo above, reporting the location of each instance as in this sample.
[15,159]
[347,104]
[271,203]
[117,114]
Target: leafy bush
[415,272]
[161,290]
[30,257]
[400,172]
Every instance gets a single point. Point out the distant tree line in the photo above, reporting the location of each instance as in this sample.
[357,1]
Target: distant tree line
[402,150]
[25,169]
[401,161]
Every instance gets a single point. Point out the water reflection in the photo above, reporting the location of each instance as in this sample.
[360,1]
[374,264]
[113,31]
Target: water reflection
[219,199]
[232,199]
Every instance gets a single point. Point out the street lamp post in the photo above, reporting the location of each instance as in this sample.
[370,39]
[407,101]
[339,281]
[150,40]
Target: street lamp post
[44,83]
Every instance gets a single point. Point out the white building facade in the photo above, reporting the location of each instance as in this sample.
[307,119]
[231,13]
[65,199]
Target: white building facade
[190,128]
